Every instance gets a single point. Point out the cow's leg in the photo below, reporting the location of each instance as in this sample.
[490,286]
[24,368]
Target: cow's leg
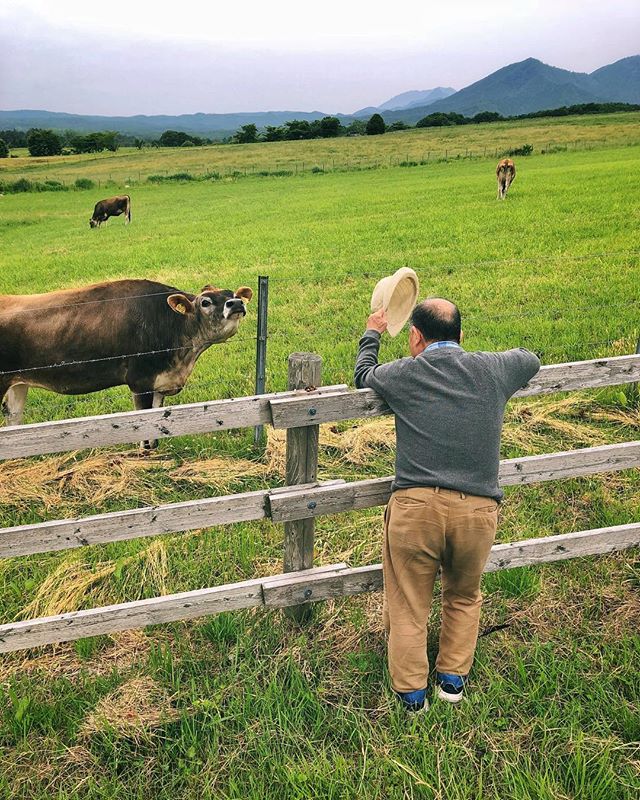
[144,400]
[13,403]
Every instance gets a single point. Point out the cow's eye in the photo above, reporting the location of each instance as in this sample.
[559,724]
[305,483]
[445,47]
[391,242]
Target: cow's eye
[206,302]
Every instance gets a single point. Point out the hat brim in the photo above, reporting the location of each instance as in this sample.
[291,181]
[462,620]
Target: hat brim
[397,294]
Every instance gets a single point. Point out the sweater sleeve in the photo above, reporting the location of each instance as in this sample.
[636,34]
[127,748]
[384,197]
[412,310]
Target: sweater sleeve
[516,368]
[368,374]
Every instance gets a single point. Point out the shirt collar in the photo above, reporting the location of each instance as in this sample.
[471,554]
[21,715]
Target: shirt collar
[438,345]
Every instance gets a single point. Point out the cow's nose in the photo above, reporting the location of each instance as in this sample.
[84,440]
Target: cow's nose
[235,305]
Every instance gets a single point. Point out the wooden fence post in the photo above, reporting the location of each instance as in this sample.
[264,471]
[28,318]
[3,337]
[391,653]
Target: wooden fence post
[305,371]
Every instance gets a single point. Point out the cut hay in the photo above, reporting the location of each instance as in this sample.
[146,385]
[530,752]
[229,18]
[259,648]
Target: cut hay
[134,710]
[354,446]
[219,472]
[66,588]
[72,480]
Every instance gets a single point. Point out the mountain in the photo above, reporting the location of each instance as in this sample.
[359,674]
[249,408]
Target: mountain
[531,85]
[515,89]
[215,126]
[620,81]
[416,98]
[420,98]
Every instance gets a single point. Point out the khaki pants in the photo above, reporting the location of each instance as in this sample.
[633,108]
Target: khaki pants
[427,529]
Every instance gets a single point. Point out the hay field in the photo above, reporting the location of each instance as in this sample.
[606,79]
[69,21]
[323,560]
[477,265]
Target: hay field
[132,166]
[244,705]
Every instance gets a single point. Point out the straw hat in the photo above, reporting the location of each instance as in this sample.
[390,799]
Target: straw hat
[397,294]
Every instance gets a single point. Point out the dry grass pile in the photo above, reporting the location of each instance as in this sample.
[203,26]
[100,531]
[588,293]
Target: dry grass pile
[353,446]
[73,480]
[571,421]
[219,472]
[67,586]
[134,710]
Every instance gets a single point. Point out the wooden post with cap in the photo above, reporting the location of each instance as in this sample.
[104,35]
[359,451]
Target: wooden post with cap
[305,372]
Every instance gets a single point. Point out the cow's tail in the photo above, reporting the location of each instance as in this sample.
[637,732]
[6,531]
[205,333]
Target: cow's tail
[128,209]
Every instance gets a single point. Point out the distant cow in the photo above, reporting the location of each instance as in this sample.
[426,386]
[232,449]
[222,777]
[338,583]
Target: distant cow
[506,173]
[143,334]
[111,207]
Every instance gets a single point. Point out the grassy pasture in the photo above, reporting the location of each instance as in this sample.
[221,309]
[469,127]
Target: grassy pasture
[243,705]
[130,165]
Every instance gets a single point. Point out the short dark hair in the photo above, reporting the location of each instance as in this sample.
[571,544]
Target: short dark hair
[435,323]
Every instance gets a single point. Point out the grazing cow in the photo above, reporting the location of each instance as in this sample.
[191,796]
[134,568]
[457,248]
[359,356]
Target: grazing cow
[506,173]
[143,334]
[111,207]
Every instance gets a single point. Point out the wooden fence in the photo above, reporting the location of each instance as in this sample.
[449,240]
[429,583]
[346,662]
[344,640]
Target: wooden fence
[299,411]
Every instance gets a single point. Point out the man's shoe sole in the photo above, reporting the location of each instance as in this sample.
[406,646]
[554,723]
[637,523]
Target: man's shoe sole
[450,698]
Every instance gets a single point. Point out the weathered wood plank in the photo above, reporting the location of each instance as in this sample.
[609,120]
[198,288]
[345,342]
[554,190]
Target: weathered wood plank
[137,614]
[134,426]
[567,545]
[288,503]
[117,526]
[127,616]
[315,500]
[335,406]
[292,589]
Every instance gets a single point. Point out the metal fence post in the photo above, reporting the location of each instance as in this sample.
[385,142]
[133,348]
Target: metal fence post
[261,347]
[305,372]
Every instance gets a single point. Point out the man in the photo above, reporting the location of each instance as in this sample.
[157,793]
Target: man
[449,407]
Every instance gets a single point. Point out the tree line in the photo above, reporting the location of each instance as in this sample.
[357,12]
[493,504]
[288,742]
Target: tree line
[44,142]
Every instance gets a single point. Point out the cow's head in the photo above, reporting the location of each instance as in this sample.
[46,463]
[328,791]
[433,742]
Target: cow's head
[214,314]
[93,223]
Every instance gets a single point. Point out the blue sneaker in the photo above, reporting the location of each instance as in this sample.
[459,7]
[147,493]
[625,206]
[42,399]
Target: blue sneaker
[413,701]
[450,687]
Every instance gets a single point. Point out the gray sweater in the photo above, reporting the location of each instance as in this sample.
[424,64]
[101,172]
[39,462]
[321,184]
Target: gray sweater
[449,408]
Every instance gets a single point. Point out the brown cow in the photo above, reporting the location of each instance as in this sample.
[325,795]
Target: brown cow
[111,207]
[506,173]
[143,334]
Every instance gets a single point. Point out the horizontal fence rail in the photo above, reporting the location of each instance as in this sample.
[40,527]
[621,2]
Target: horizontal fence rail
[282,409]
[335,406]
[291,589]
[286,504]
[132,426]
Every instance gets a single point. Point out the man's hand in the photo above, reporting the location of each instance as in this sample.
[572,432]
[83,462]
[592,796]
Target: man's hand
[377,321]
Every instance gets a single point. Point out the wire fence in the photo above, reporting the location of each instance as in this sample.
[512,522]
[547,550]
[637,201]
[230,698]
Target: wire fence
[571,332]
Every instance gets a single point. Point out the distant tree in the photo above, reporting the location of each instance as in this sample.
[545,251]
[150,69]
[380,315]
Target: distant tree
[139,143]
[296,129]
[375,126]
[176,138]
[4,149]
[43,142]
[356,128]
[487,116]
[247,134]
[273,133]
[399,125]
[14,138]
[187,143]
[437,120]
[329,127]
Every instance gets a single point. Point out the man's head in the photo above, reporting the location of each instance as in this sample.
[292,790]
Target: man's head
[434,320]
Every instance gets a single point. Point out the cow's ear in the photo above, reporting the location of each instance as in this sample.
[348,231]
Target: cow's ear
[180,303]
[209,288]
[244,293]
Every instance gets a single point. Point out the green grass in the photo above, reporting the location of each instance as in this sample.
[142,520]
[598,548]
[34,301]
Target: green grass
[266,710]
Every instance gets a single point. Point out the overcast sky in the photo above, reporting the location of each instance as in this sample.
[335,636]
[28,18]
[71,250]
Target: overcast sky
[184,56]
